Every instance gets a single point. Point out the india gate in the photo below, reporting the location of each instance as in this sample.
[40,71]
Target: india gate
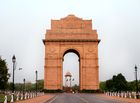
[71,34]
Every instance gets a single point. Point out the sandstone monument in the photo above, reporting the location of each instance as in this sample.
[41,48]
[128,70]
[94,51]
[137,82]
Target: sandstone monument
[71,34]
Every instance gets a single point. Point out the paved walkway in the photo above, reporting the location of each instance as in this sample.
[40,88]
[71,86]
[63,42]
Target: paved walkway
[39,99]
[125,100]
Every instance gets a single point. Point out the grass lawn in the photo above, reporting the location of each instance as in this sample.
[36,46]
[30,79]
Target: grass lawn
[2,96]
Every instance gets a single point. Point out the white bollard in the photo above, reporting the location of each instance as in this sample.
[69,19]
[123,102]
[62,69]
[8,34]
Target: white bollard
[115,94]
[28,95]
[5,101]
[12,98]
[17,96]
[43,93]
[21,96]
[33,95]
[125,95]
[121,94]
[135,96]
[107,93]
[129,95]
[25,96]
[118,94]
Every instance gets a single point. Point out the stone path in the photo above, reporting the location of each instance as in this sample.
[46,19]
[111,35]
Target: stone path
[40,99]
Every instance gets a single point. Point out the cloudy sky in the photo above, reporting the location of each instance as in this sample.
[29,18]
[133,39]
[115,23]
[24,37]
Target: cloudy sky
[23,24]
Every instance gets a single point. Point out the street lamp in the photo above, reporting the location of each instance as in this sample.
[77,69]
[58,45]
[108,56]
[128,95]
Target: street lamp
[136,82]
[24,88]
[36,82]
[14,61]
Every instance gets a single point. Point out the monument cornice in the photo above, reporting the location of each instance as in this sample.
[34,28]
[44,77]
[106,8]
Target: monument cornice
[70,40]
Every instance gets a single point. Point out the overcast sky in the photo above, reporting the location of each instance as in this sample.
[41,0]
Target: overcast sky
[23,24]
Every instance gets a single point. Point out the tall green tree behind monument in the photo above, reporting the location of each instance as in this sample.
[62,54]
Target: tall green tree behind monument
[4,76]
[117,83]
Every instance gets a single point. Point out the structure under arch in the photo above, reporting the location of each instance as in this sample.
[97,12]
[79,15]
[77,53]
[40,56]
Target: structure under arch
[71,33]
[74,74]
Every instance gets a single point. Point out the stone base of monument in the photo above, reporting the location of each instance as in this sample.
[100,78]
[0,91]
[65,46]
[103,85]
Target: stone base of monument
[67,89]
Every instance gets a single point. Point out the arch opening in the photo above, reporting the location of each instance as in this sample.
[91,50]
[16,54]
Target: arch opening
[71,70]
[73,51]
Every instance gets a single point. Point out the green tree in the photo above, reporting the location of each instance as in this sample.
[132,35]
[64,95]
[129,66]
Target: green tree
[109,85]
[40,84]
[132,85]
[28,86]
[9,85]
[103,86]
[4,75]
[117,83]
[120,83]
[18,86]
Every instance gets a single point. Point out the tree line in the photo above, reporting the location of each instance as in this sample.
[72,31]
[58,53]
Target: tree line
[118,83]
[28,86]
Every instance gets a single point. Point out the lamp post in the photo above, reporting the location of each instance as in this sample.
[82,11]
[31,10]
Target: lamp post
[136,82]
[24,88]
[14,61]
[36,82]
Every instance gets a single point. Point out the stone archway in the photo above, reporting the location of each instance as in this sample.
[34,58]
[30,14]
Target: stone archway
[75,74]
[71,33]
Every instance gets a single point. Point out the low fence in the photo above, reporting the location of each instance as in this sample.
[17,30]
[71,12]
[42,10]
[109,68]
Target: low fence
[18,96]
[124,94]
